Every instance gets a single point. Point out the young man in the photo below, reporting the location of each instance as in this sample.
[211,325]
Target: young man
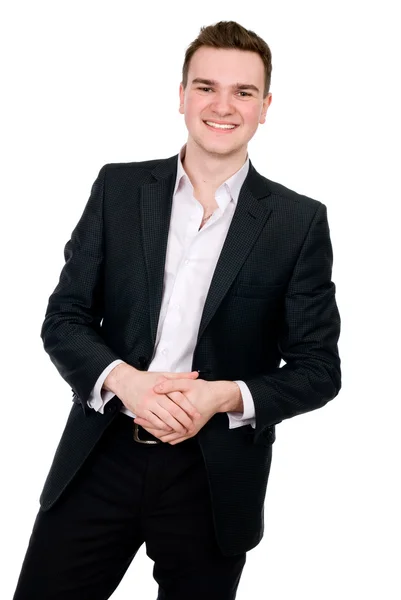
[197,273]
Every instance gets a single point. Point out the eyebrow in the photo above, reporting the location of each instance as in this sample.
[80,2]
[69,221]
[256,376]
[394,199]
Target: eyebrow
[238,86]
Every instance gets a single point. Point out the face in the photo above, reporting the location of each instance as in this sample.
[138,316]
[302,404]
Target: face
[225,86]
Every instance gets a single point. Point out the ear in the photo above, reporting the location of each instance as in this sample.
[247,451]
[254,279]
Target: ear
[181,93]
[266,103]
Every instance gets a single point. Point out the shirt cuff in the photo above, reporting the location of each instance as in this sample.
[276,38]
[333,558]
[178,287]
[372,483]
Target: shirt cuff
[99,397]
[237,419]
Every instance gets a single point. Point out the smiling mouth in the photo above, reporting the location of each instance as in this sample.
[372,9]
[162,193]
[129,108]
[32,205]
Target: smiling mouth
[221,127]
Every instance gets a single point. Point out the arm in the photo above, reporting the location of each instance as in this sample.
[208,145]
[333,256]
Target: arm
[71,328]
[308,337]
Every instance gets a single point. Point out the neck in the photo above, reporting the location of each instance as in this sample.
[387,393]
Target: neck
[209,171]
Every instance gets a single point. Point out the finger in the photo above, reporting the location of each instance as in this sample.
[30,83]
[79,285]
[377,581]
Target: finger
[173,376]
[185,404]
[171,414]
[159,433]
[148,425]
[167,415]
[188,375]
[160,379]
[157,421]
[174,438]
[177,385]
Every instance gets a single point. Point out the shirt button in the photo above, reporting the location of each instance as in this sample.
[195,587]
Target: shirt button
[177,305]
[186,262]
[164,351]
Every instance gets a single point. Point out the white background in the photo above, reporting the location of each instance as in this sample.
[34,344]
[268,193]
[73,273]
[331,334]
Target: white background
[88,83]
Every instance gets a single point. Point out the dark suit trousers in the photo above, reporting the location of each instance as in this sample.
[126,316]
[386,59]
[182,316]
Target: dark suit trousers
[127,494]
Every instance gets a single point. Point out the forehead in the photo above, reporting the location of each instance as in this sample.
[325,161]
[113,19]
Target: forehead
[226,66]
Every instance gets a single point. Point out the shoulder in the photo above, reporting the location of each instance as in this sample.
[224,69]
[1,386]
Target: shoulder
[292,198]
[144,165]
[141,171]
[286,198]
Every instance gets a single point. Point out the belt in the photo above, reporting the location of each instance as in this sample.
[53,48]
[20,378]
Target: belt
[144,437]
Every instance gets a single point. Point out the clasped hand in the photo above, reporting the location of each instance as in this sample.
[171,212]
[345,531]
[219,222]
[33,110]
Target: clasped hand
[200,394]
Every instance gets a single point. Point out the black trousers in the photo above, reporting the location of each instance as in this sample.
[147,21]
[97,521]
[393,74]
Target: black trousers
[127,494]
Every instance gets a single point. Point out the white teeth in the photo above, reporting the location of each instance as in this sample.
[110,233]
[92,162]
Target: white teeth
[219,126]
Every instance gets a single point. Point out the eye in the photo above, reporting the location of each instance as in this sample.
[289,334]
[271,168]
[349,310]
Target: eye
[246,93]
[204,88]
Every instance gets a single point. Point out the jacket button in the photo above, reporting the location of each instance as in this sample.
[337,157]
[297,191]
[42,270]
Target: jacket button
[110,407]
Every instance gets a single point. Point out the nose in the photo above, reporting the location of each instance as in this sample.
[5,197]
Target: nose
[221,105]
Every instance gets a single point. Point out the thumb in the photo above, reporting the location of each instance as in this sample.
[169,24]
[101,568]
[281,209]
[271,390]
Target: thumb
[189,375]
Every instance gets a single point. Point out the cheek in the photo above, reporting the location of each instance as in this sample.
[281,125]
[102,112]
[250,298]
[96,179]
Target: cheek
[251,116]
[196,107]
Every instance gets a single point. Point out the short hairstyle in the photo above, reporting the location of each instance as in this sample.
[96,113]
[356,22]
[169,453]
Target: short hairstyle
[229,34]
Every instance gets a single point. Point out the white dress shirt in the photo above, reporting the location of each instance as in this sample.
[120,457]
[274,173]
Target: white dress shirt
[191,259]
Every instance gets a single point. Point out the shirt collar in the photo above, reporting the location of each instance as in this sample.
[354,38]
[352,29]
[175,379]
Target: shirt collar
[234,183]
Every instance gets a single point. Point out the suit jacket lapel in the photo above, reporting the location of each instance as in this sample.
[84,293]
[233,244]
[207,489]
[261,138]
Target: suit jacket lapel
[156,204]
[248,220]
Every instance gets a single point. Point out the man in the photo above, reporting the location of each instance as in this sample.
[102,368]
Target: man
[186,281]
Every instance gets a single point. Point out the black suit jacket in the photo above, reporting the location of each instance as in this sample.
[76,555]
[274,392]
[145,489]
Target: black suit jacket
[271,298]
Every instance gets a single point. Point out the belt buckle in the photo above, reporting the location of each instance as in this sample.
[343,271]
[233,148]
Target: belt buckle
[138,439]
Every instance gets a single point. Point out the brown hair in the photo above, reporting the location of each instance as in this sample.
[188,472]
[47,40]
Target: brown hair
[229,34]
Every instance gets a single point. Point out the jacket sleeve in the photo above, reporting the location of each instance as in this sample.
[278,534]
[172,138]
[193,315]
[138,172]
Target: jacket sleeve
[71,331]
[308,337]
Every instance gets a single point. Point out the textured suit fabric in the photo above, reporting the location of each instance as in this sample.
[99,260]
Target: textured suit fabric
[186,283]
[271,298]
[125,495]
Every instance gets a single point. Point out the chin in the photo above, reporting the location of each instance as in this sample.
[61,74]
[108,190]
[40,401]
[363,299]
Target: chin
[220,149]
[225,151]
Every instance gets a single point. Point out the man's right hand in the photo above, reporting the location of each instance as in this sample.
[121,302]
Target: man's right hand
[135,390]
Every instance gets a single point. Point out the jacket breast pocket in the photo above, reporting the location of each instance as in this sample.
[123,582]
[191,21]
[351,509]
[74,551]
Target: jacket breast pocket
[245,290]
